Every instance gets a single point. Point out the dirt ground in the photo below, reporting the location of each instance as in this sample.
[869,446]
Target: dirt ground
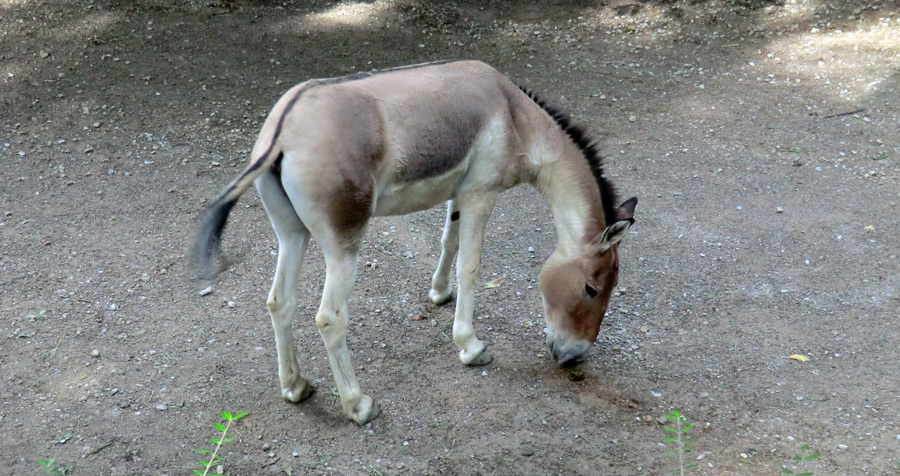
[763,141]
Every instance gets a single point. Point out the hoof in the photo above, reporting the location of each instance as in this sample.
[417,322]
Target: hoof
[300,390]
[440,298]
[366,410]
[483,358]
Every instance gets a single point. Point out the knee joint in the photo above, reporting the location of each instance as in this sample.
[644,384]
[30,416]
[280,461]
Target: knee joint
[327,321]
[277,305]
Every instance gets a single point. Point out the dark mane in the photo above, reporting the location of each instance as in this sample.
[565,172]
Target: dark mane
[589,149]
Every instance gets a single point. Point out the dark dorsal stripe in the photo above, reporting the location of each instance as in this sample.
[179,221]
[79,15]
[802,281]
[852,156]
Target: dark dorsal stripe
[588,148]
[338,80]
[290,105]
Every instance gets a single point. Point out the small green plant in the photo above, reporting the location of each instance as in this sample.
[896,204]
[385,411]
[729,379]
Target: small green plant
[806,454]
[37,315]
[214,454]
[681,441]
[50,468]
[373,471]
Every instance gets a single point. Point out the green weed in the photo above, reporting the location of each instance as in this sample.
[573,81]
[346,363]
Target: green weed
[680,440]
[42,314]
[214,454]
[51,468]
[806,454]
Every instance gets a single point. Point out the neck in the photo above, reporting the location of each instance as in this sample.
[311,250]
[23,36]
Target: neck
[567,185]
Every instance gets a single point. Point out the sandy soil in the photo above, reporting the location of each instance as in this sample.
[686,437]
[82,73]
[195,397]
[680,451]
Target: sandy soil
[763,141]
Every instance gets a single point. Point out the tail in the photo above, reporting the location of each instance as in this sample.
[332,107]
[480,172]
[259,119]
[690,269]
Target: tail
[215,217]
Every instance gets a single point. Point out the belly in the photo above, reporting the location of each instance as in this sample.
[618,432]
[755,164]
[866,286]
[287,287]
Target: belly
[400,198]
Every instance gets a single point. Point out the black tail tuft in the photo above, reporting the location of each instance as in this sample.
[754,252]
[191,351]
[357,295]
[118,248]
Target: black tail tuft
[207,242]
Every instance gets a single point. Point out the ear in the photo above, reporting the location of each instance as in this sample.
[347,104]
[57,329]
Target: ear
[626,210]
[614,234]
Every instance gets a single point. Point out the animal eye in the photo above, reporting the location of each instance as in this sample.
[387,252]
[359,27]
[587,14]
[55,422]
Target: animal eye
[590,291]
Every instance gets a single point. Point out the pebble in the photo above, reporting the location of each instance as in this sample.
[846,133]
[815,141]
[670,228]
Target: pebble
[843,447]
[95,353]
[205,291]
[162,407]
[266,446]
[531,249]
[779,210]
[632,118]
[527,452]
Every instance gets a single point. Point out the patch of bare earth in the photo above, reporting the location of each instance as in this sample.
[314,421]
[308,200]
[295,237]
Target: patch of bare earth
[762,139]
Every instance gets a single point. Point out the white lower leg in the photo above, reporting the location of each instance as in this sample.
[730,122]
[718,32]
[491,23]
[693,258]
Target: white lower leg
[441,289]
[282,304]
[332,323]
[294,387]
[463,330]
[471,232]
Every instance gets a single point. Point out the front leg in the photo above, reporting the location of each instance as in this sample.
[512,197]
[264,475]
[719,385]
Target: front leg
[441,289]
[473,216]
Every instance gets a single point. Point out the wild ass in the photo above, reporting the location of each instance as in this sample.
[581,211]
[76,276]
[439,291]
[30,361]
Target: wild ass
[335,152]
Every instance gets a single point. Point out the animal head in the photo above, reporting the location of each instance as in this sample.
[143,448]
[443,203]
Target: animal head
[576,291]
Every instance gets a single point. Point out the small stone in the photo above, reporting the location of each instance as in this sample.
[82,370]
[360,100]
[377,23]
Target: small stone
[162,407]
[113,307]
[266,446]
[645,329]
[842,446]
[531,249]
[95,125]
[231,304]
[95,353]
[271,454]
[205,291]
[632,118]
[662,420]
[576,375]
[779,210]
[527,452]
[44,53]
[220,469]
[296,454]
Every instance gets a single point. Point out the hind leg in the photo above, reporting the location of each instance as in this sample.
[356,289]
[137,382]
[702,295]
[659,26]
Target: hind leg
[293,240]
[332,321]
